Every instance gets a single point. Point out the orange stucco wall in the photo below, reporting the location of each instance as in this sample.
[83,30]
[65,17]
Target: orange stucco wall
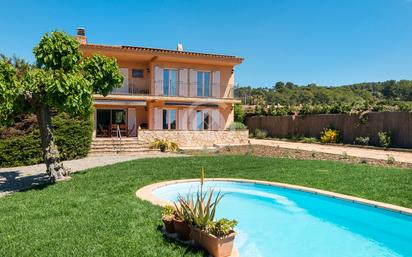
[147,62]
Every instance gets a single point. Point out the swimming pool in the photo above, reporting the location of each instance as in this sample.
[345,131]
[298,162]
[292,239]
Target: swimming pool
[275,221]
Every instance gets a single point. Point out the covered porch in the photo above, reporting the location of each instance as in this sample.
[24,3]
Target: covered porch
[119,118]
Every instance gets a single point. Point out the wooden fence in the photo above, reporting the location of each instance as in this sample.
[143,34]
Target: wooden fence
[399,124]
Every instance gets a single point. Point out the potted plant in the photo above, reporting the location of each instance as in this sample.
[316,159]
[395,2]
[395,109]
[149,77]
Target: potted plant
[181,222]
[168,214]
[218,238]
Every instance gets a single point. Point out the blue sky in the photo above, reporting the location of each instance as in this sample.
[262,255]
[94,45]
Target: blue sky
[328,42]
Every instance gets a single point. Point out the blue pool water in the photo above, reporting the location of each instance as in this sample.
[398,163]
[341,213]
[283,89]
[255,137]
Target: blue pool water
[282,222]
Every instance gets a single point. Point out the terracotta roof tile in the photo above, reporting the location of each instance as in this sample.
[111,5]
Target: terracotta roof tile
[160,50]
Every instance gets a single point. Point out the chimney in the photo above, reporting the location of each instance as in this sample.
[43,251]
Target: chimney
[81,36]
[179,47]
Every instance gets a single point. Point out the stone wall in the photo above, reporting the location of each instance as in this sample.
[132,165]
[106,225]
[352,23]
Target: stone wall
[196,138]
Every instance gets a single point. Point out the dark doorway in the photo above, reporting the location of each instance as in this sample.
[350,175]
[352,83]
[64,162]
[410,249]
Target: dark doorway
[110,123]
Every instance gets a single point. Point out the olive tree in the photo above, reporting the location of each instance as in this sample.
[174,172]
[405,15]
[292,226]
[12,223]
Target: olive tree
[62,80]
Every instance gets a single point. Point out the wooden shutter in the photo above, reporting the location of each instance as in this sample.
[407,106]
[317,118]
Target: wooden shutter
[216,119]
[131,122]
[192,119]
[158,119]
[183,119]
[183,82]
[216,84]
[192,82]
[158,80]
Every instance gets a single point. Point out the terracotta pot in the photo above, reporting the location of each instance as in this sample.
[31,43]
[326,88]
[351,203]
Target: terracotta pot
[182,229]
[195,235]
[170,228]
[217,246]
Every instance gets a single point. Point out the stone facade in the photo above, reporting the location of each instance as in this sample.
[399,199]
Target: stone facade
[196,138]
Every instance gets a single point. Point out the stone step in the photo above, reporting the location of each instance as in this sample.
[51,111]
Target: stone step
[117,141]
[113,151]
[121,147]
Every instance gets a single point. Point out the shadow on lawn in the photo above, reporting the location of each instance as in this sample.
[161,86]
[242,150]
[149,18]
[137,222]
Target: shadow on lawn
[12,181]
[189,248]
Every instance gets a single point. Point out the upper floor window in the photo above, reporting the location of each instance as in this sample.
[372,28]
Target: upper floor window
[202,120]
[169,82]
[169,119]
[137,73]
[203,83]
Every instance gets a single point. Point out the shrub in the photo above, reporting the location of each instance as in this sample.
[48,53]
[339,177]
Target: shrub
[20,151]
[237,126]
[330,136]
[362,141]
[260,134]
[239,113]
[308,140]
[384,139]
[164,145]
[391,160]
[73,136]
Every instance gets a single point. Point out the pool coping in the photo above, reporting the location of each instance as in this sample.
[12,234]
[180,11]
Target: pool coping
[146,193]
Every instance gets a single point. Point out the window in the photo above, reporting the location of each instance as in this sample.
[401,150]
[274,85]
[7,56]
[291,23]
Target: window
[203,83]
[137,73]
[169,119]
[202,120]
[169,82]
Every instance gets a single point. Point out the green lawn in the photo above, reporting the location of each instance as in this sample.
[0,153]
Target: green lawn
[96,213]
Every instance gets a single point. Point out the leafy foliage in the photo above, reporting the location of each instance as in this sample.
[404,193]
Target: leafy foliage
[73,136]
[168,212]
[362,141]
[391,160]
[9,89]
[237,125]
[164,145]
[239,113]
[384,139]
[20,151]
[202,209]
[291,99]
[221,227]
[260,134]
[330,136]
[102,73]
[57,51]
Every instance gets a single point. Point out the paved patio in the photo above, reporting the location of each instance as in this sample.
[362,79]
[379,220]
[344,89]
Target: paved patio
[19,178]
[378,154]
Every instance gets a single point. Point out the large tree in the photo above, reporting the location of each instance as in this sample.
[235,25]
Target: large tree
[61,80]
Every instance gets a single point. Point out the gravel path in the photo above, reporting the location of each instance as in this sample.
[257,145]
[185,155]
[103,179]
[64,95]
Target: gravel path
[19,178]
[332,149]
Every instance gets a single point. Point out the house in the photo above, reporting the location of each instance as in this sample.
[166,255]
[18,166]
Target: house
[186,97]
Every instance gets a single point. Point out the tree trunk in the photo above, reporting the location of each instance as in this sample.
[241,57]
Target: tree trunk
[54,166]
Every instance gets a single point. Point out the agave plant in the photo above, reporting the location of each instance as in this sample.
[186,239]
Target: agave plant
[200,212]
[164,145]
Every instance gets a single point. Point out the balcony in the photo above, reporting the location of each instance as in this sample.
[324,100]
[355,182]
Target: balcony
[177,89]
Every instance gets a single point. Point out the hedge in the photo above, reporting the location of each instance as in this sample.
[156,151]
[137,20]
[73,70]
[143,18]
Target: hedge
[73,137]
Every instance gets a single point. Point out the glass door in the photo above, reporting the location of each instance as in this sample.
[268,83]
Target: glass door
[169,82]
[110,122]
[119,123]
[103,123]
